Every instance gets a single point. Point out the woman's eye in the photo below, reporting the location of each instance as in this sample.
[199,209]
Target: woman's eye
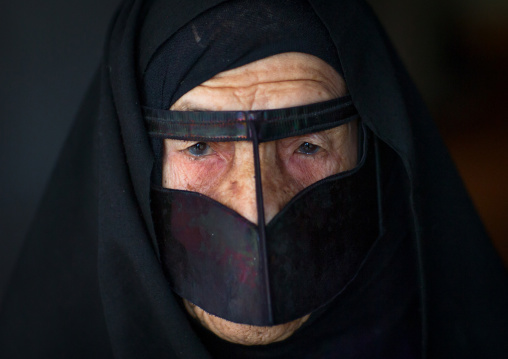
[199,149]
[308,148]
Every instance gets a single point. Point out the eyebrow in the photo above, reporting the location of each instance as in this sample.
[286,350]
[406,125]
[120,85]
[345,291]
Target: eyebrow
[189,106]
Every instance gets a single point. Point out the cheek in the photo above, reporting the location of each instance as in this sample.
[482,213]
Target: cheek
[280,185]
[307,171]
[180,172]
[303,171]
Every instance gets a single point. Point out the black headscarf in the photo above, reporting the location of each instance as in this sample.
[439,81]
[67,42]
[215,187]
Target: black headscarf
[226,36]
[89,284]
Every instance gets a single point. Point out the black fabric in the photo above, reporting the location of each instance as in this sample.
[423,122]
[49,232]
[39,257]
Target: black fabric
[228,36]
[88,282]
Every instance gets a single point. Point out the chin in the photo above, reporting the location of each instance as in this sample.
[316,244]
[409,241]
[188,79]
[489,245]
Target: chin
[243,333]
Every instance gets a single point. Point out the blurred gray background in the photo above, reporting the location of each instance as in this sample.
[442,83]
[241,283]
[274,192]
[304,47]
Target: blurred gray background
[49,51]
[456,51]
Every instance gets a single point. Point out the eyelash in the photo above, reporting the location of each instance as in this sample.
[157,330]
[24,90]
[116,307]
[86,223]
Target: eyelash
[308,148]
[199,149]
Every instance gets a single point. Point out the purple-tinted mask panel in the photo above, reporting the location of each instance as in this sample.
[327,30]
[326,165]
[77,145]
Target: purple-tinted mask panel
[210,254]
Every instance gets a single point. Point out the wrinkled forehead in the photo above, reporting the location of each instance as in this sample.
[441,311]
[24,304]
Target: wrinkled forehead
[278,81]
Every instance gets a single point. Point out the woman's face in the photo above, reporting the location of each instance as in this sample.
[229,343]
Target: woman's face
[224,171]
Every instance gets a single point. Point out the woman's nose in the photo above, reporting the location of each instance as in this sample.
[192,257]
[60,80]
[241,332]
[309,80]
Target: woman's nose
[240,186]
[275,181]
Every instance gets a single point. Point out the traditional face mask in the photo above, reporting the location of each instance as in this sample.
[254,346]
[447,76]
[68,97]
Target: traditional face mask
[265,274]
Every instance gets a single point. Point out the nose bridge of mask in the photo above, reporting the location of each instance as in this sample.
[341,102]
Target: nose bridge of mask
[258,127]
[261,218]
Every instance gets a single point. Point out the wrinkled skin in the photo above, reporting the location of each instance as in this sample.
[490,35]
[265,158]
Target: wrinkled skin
[224,171]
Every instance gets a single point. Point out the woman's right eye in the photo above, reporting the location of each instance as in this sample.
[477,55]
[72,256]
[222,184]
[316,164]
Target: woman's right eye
[199,149]
[308,148]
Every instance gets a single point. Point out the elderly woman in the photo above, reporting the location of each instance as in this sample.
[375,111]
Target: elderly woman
[254,179]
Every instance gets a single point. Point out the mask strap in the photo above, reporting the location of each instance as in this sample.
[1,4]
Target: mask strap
[261,216]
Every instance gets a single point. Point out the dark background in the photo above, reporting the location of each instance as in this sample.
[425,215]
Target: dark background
[456,50]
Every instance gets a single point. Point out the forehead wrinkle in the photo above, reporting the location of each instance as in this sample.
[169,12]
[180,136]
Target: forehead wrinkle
[253,97]
[266,84]
[283,66]
[186,105]
[209,85]
[244,82]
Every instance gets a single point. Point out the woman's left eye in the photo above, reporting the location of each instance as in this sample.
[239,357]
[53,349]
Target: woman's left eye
[308,148]
[200,149]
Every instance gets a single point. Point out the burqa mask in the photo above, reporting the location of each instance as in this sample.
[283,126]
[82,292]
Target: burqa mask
[257,274]
[212,256]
